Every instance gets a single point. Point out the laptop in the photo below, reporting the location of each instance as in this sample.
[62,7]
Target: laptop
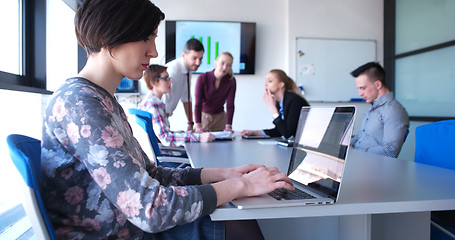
[317,161]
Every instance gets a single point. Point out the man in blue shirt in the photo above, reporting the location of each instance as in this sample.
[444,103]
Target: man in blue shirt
[385,125]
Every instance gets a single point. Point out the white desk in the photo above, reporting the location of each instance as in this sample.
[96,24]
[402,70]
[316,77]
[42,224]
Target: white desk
[381,198]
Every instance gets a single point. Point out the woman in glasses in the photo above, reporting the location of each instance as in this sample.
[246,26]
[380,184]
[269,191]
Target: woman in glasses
[158,82]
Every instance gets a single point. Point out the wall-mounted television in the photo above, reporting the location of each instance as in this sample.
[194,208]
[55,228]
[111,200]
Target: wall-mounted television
[238,38]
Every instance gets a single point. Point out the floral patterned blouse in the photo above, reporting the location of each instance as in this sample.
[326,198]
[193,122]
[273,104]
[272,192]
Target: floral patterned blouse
[161,125]
[96,181]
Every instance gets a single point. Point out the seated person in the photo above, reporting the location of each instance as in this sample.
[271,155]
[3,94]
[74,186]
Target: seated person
[213,90]
[96,181]
[386,123]
[284,101]
[158,82]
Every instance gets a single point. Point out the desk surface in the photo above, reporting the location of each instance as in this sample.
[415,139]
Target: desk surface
[371,184]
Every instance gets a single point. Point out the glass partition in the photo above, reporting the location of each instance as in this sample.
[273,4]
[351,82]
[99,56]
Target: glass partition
[426,83]
[11,40]
[421,24]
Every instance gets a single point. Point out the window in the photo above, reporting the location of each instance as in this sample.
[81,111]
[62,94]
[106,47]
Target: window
[25,43]
[419,50]
[421,24]
[38,52]
[11,41]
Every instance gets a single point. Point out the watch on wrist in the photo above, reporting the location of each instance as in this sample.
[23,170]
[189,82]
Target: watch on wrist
[190,123]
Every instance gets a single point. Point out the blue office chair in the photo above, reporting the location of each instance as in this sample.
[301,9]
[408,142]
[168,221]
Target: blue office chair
[434,146]
[26,155]
[178,159]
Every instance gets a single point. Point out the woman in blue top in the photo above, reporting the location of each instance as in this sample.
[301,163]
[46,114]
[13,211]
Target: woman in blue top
[284,101]
[97,182]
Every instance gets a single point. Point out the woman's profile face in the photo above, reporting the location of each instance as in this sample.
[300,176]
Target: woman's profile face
[223,65]
[131,59]
[272,83]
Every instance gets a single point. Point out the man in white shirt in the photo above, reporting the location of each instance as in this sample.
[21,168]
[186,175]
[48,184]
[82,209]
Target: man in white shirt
[180,71]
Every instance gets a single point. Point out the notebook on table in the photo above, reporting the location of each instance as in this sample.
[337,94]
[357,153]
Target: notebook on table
[317,161]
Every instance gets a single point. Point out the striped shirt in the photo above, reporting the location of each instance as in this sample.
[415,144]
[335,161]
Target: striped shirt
[161,125]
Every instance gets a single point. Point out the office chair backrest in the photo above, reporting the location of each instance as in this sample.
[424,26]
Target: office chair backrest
[434,144]
[141,136]
[26,155]
[144,119]
[175,159]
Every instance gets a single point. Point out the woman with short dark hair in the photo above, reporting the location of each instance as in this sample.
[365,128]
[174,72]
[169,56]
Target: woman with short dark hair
[97,182]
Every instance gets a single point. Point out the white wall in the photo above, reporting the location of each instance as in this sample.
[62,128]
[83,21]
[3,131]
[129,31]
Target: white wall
[278,23]
[347,19]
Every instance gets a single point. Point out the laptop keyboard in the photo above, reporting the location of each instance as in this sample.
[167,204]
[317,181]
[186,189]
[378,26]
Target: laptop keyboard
[285,194]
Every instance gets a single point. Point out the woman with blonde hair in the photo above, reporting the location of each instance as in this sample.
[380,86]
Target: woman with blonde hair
[284,101]
[213,90]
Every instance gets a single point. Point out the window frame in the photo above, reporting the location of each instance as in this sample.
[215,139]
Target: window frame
[390,56]
[33,78]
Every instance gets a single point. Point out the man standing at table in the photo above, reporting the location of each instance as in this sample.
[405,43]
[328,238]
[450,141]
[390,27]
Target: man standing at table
[180,71]
[385,125]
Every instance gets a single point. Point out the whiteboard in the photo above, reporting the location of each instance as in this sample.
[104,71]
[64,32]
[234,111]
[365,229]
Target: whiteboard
[324,66]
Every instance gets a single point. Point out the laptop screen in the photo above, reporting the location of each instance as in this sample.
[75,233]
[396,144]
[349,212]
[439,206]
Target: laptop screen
[320,147]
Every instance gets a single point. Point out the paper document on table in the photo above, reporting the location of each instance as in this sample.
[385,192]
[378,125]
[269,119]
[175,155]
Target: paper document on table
[267,142]
[223,135]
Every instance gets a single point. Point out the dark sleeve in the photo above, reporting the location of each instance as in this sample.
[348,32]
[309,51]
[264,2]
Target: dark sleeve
[193,176]
[292,104]
[273,132]
[230,102]
[199,97]
[209,198]
[190,176]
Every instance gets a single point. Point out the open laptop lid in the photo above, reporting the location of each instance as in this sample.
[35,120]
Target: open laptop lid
[320,148]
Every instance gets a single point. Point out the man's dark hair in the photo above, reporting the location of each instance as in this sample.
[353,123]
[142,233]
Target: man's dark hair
[373,70]
[107,24]
[193,44]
